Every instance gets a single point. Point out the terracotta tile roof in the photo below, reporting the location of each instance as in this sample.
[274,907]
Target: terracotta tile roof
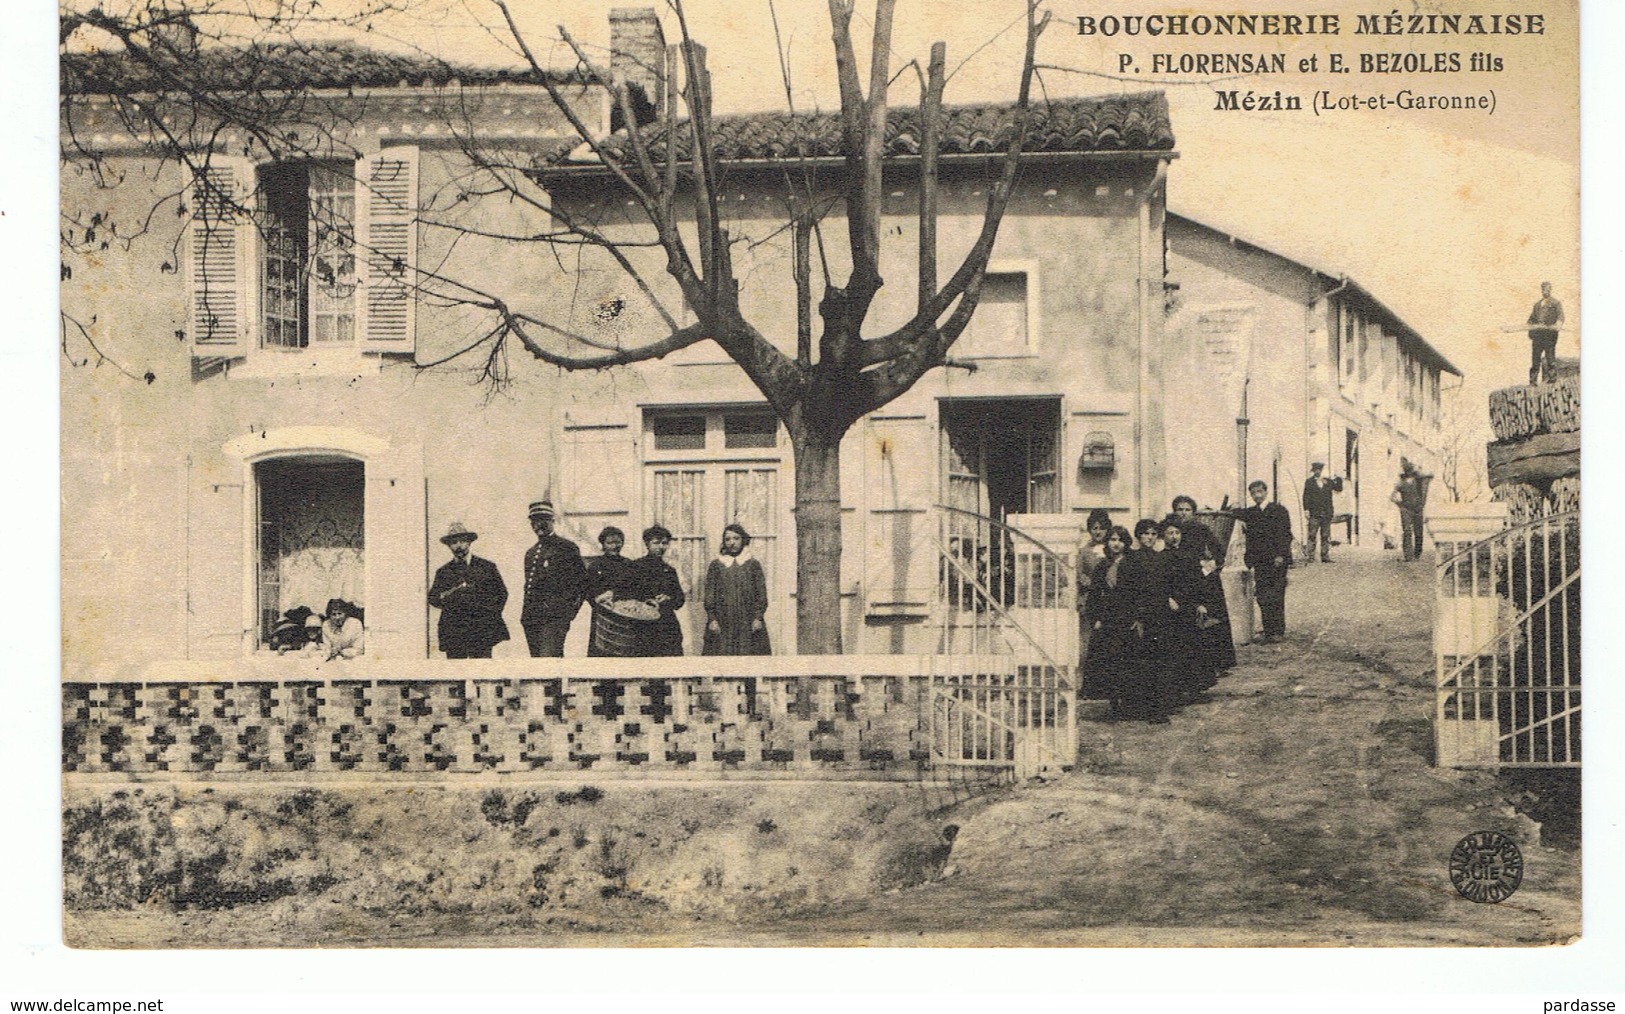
[276,68]
[1135,122]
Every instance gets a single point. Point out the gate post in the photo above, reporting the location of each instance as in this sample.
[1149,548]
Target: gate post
[1465,619]
[1454,526]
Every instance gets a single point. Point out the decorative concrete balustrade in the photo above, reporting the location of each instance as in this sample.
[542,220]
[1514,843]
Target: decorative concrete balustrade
[294,718]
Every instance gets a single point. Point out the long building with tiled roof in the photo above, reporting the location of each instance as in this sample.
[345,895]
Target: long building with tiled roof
[274,68]
[1136,122]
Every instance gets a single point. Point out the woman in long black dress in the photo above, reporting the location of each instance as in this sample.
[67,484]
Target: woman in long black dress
[1186,670]
[1108,610]
[653,580]
[1127,609]
[1215,644]
[1144,576]
[608,579]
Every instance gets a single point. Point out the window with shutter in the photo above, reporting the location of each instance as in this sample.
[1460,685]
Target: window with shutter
[304,256]
[307,259]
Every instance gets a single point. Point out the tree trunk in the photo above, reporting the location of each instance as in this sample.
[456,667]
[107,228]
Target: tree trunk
[818,542]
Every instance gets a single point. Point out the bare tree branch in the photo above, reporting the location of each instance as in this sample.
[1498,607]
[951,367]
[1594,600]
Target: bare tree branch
[930,128]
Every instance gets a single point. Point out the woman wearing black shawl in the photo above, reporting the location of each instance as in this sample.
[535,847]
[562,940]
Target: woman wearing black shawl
[1215,647]
[1186,672]
[1108,611]
[1130,609]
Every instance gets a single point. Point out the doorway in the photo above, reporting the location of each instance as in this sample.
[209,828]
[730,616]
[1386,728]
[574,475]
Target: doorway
[706,468]
[1351,469]
[1002,456]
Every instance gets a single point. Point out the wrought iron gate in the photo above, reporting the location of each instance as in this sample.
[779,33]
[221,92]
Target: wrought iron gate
[1507,647]
[1005,690]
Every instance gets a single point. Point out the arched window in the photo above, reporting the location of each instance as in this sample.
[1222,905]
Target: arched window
[324,513]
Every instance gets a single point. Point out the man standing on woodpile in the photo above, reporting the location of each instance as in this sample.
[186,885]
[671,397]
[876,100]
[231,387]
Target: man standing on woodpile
[1545,320]
[1269,552]
[555,585]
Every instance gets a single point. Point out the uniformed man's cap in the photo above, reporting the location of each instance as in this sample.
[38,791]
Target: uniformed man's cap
[543,509]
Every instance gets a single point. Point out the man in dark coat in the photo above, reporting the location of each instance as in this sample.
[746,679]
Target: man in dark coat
[1269,551]
[1410,496]
[1545,320]
[555,585]
[1317,509]
[470,595]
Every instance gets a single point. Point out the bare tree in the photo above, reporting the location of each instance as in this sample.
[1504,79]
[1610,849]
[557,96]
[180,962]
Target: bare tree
[836,377]
[670,171]
[1463,433]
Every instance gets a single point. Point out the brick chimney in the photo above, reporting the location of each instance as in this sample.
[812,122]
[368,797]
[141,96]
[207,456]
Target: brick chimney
[637,57]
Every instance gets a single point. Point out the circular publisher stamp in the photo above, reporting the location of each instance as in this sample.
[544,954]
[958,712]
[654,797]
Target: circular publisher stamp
[1486,867]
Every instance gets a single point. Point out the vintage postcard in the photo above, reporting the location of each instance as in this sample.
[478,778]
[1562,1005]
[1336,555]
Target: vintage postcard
[850,474]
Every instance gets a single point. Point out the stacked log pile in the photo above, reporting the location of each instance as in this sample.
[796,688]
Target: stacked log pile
[1534,462]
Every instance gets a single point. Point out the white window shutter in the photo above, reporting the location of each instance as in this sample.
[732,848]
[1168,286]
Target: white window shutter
[397,588]
[598,473]
[387,209]
[900,565]
[219,261]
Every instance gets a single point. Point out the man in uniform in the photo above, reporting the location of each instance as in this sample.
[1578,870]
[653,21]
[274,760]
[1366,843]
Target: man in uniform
[555,585]
[1269,551]
[470,595]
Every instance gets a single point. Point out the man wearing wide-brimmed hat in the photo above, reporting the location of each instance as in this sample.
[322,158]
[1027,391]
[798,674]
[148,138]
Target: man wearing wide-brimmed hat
[555,584]
[470,595]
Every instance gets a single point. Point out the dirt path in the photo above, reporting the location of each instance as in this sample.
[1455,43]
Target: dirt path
[1298,805]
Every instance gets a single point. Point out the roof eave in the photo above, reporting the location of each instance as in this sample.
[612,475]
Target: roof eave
[409,90]
[595,168]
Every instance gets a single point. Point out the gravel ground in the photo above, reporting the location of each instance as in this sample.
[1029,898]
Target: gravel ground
[1297,806]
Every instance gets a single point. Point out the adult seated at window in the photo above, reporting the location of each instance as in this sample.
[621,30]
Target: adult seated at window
[342,630]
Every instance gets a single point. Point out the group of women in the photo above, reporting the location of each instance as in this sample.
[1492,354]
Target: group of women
[1155,629]
[643,597]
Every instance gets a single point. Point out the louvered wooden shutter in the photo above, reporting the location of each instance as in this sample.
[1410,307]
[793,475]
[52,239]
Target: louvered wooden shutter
[386,204]
[219,261]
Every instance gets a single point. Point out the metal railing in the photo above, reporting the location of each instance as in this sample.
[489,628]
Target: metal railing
[1007,643]
[1507,647]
